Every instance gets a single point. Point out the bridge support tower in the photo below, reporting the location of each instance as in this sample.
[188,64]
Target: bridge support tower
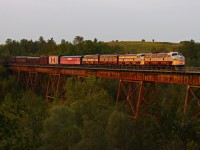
[139,96]
[192,101]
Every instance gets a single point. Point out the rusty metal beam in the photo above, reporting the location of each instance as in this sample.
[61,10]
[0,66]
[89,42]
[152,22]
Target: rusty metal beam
[135,94]
[52,86]
[31,81]
[193,99]
[131,75]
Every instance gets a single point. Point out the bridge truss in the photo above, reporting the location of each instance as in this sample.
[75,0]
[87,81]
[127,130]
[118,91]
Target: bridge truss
[136,87]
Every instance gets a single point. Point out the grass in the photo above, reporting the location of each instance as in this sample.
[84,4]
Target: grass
[140,47]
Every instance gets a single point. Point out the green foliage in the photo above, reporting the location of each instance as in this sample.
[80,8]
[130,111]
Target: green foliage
[2,70]
[89,99]
[90,120]
[92,136]
[8,86]
[191,51]
[145,47]
[78,40]
[84,116]
[49,47]
[60,129]
[24,116]
[120,132]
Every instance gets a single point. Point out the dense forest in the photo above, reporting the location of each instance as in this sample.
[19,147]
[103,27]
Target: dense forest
[88,117]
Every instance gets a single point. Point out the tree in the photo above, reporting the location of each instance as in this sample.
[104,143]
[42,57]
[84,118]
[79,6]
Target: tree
[41,40]
[78,40]
[120,132]
[93,137]
[92,106]
[190,50]
[60,130]
[26,114]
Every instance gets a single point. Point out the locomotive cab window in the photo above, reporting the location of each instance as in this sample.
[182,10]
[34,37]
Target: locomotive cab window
[174,54]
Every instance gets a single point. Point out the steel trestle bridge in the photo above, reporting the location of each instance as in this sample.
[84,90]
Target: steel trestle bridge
[136,84]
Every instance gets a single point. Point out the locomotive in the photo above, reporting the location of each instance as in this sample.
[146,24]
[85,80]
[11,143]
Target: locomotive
[174,59]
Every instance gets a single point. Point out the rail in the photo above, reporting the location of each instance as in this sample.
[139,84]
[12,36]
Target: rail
[124,68]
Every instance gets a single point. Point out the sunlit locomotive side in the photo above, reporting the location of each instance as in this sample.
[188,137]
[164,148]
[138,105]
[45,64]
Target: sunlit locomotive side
[129,59]
[90,59]
[178,59]
[163,59]
[108,59]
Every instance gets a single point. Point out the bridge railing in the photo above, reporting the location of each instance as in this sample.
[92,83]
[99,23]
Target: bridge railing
[127,68]
[147,68]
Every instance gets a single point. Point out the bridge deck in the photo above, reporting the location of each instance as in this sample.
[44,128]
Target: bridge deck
[189,77]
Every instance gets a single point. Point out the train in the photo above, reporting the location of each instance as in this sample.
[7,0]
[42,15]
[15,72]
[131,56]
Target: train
[173,59]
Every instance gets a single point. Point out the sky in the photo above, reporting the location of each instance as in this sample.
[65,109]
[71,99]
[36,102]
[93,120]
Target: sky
[106,20]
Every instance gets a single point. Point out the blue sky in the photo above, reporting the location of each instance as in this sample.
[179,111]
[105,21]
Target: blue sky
[106,20]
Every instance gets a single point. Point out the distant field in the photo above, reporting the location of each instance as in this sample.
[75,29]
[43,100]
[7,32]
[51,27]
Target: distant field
[140,47]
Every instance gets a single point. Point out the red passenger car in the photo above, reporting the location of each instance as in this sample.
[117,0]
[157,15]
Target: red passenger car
[33,60]
[11,60]
[44,60]
[70,60]
[21,59]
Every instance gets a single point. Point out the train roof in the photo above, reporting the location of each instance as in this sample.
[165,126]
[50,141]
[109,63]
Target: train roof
[91,55]
[128,54]
[33,57]
[107,55]
[21,56]
[72,56]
